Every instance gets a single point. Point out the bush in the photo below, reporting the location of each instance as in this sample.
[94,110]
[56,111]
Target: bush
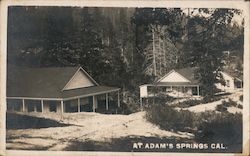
[240,106]
[230,103]
[158,99]
[221,108]
[209,126]
[189,103]
[241,98]
[130,103]
[125,109]
[170,119]
[225,104]
[128,108]
[194,102]
[220,127]
[211,99]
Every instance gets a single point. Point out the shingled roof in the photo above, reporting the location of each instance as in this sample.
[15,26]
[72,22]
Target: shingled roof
[46,83]
[188,73]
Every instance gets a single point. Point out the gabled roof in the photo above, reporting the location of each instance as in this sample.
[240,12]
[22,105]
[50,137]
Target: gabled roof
[188,73]
[88,76]
[169,74]
[233,75]
[40,82]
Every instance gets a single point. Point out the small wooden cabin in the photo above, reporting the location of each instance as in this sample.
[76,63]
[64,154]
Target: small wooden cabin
[178,83]
[183,83]
[231,83]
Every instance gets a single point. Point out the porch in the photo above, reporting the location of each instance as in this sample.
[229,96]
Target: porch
[103,100]
[175,90]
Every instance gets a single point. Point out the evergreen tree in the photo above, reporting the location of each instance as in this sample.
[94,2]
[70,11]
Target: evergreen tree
[162,30]
[206,42]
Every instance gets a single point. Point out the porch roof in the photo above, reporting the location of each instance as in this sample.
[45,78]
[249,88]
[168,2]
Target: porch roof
[70,94]
[177,83]
[88,91]
[173,84]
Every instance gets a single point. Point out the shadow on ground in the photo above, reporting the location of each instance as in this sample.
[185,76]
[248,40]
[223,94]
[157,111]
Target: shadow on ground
[19,121]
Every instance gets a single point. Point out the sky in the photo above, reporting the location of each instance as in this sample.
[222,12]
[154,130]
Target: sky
[237,18]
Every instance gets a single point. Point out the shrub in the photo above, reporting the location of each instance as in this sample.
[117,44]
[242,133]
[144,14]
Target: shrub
[240,106]
[209,126]
[225,104]
[231,103]
[189,103]
[194,102]
[221,108]
[159,99]
[241,98]
[220,127]
[170,119]
[125,109]
[129,107]
[130,103]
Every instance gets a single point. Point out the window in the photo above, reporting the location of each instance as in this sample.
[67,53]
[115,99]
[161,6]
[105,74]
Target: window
[194,91]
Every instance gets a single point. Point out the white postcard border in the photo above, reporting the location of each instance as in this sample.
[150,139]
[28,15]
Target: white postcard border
[121,3]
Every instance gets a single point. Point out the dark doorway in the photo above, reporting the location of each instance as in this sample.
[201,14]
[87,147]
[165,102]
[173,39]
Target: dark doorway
[52,107]
[194,91]
[88,106]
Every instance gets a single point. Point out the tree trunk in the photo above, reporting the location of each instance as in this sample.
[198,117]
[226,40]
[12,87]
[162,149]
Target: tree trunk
[164,56]
[154,57]
[160,52]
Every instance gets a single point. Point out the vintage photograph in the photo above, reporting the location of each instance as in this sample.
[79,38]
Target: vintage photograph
[125,79]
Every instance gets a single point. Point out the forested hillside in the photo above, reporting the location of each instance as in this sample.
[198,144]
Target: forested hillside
[126,47]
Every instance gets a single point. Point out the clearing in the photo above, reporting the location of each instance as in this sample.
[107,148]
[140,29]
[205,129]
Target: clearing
[84,127]
[51,131]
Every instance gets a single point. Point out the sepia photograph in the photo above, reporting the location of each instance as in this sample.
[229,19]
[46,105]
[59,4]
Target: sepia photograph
[125,79]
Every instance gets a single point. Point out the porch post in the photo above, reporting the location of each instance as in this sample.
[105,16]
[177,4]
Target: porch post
[93,103]
[62,109]
[198,91]
[78,104]
[118,98]
[35,107]
[42,105]
[140,102]
[23,105]
[107,101]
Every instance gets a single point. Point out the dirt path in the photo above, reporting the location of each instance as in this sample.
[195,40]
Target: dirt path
[86,126]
